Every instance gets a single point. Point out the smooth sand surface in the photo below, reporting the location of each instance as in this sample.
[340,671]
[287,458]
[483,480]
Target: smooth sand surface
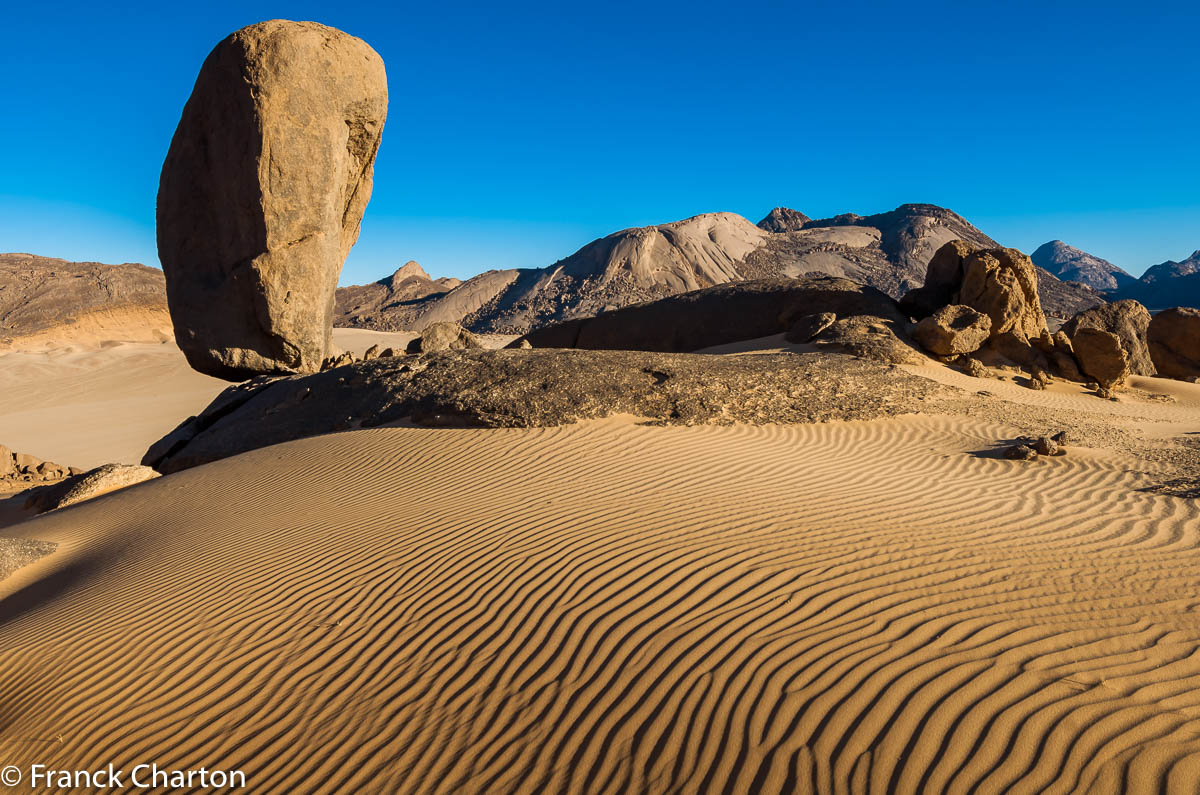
[608,607]
[88,401]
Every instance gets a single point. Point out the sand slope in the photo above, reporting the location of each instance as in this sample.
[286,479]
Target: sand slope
[616,608]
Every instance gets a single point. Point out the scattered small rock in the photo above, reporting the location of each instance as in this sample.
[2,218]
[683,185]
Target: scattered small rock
[973,367]
[1061,438]
[1045,445]
[1020,452]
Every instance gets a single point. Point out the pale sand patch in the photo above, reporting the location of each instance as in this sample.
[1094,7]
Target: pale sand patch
[88,400]
[607,607]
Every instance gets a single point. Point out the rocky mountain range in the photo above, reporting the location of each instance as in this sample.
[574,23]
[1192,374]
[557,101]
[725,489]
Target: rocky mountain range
[1167,284]
[1163,285]
[888,251]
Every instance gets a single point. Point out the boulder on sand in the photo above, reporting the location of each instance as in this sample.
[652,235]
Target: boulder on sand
[953,330]
[1129,320]
[1173,339]
[1001,283]
[444,337]
[1101,357]
[262,193]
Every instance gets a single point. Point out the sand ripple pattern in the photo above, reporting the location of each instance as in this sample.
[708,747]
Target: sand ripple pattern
[861,607]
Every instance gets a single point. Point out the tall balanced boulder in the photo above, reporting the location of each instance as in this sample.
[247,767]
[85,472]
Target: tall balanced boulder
[1129,320]
[1173,338]
[262,193]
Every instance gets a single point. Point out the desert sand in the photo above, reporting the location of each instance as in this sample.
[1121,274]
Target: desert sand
[612,607]
[86,399]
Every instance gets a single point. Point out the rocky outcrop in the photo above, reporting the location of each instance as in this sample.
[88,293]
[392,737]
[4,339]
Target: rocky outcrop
[1000,283]
[1129,320]
[1173,338]
[262,193]
[953,330]
[943,278]
[1101,356]
[44,295]
[525,388]
[96,482]
[784,219]
[391,304]
[742,311]
[444,337]
[1071,264]
[21,470]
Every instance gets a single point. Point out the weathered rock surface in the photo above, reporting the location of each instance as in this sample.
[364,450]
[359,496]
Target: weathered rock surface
[1002,284]
[40,294]
[101,480]
[809,326]
[262,193]
[1129,320]
[943,278]
[513,388]
[732,313]
[1173,338]
[953,330]
[1101,357]
[444,337]
[21,470]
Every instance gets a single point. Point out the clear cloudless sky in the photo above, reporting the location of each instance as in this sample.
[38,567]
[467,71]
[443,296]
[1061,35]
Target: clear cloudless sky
[517,132]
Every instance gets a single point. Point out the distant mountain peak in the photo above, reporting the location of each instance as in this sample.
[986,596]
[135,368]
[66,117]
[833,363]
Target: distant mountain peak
[783,219]
[409,270]
[1072,264]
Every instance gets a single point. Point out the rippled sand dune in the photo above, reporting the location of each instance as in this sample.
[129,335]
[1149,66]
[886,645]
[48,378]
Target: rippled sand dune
[609,607]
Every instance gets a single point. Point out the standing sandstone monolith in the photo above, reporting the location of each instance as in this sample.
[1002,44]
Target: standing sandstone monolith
[262,194]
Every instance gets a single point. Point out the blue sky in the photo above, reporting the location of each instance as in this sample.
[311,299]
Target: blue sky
[518,132]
